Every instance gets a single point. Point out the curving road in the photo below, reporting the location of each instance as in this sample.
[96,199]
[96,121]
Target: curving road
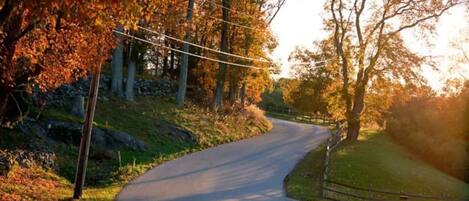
[252,169]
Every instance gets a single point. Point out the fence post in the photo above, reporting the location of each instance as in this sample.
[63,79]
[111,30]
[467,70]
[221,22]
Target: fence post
[369,192]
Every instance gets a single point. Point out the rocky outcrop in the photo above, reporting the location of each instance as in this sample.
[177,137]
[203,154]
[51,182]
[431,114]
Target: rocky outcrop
[43,135]
[54,131]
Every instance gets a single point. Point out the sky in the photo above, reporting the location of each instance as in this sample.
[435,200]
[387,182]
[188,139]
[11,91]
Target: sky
[299,23]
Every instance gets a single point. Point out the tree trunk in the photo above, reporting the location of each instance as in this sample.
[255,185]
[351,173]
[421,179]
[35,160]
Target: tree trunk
[185,61]
[224,48]
[117,68]
[171,64]
[165,66]
[234,89]
[243,93]
[129,87]
[11,25]
[353,127]
[3,104]
[78,106]
[354,117]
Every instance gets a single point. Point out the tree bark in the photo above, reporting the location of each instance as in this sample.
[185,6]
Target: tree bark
[117,68]
[11,26]
[129,87]
[243,93]
[224,48]
[185,61]
[3,104]
[78,106]
[171,63]
[234,89]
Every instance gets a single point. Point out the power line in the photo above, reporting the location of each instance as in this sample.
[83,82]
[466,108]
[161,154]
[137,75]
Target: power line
[203,47]
[190,54]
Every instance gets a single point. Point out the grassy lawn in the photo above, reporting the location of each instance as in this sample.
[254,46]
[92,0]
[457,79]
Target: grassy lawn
[142,119]
[374,161]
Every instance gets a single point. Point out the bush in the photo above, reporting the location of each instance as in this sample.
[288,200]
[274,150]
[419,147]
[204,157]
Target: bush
[435,128]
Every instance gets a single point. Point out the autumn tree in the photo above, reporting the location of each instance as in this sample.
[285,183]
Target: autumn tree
[369,47]
[46,44]
[312,77]
[248,37]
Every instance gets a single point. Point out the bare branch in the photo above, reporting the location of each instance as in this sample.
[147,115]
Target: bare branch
[418,21]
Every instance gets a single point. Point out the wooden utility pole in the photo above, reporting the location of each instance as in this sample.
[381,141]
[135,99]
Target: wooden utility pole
[185,58]
[224,48]
[86,134]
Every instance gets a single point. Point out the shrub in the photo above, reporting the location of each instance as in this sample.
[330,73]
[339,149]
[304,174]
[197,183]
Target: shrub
[434,128]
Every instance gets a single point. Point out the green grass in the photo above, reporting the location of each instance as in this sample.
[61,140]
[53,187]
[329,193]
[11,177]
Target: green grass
[303,182]
[374,161]
[142,119]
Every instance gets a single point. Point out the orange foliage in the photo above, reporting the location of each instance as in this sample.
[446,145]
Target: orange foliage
[50,43]
[30,184]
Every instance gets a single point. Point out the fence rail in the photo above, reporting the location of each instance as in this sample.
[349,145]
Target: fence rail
[301,116]
[331,144]
[337,191]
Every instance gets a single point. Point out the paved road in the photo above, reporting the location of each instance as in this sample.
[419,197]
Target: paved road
[252,169]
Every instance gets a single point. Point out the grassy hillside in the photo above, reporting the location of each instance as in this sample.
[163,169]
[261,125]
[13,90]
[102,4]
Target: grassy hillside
[142,119]
[374,161]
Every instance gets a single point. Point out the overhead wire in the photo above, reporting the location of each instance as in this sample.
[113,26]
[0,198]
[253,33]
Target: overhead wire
[203,47]
[188,53]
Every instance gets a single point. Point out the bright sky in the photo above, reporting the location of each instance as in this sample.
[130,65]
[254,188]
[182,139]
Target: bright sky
[299,23]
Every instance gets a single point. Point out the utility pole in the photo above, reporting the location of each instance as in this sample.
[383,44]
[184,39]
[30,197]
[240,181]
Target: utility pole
[224,48]
[86,133]
[185,58]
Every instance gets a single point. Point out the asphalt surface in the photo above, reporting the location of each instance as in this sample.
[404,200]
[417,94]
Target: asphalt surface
[251,169]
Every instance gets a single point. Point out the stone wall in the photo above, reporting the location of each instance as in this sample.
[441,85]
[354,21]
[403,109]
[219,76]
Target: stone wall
[58,97]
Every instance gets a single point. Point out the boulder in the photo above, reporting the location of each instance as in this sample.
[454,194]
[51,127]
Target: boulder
[119,139]
[70,133]
[98,138]
[176,132]
[33,128]
[66,132]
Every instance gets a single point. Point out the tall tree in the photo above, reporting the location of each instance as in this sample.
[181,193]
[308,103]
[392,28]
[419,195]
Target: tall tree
[185,58]
[131,68]
[224,48]
[368,45]
[117,66]
[47,44]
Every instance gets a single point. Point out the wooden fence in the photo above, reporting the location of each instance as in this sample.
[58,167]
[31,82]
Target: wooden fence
[300,116]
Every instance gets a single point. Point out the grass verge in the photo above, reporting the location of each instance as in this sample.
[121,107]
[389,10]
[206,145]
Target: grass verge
[142,118]
[374,161]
